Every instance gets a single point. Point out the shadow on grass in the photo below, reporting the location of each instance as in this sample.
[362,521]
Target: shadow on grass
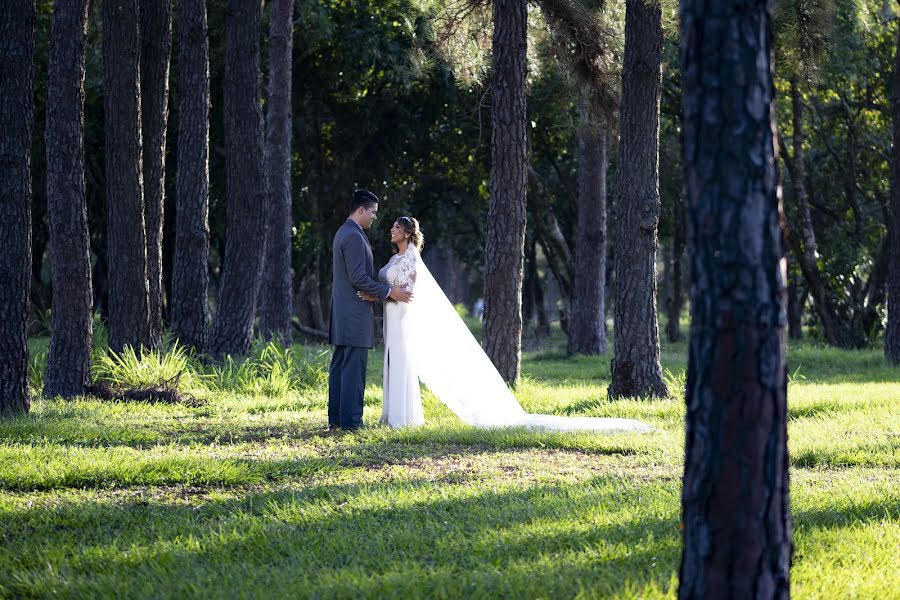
[548,540]
[849,515]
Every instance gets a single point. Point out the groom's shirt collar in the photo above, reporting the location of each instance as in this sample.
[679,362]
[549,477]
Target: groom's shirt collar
[357,224]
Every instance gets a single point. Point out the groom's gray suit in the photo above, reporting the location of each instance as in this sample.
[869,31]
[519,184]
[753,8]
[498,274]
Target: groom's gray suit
[352,324]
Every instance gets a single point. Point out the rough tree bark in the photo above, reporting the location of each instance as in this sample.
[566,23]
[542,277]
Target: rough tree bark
[245,178]
[17,22]
[587,310]
[892,330]
[156,51]
[505,236]
[735,516]
[636,368]
[129,317]
[71,331]
[276,293]
[190,275]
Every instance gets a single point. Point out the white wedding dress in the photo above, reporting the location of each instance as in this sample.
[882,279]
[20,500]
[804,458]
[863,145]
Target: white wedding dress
[427,340]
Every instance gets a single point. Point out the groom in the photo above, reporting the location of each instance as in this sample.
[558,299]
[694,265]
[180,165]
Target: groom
[352,323]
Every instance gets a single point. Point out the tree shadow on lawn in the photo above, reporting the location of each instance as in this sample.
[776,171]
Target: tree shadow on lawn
[849,515]
[531,542]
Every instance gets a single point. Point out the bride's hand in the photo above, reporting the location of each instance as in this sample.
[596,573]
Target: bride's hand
[366,297]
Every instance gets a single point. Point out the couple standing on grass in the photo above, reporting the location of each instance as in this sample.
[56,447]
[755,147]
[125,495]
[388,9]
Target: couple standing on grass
[424,339]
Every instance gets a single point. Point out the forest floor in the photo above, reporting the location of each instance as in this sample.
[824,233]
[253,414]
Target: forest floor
[247,495]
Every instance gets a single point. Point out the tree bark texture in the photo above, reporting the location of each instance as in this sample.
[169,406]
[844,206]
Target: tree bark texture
[71,331]
[636,368]
[587,310]
[505,236]
[245,178]
[190,270]
[735,515]
[129,317]
[156,51]
[276,294]
[892,330]
[17,23]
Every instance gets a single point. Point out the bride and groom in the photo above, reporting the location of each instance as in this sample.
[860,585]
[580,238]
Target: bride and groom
[424,340]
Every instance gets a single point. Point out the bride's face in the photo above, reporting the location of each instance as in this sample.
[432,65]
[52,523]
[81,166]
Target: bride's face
[398,234]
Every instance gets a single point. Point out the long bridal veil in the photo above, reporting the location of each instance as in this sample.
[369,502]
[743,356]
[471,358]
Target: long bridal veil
[450,361]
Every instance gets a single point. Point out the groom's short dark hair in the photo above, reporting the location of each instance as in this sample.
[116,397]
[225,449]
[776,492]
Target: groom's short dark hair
[364,198]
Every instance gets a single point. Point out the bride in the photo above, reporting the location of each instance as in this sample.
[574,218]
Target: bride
[427,340]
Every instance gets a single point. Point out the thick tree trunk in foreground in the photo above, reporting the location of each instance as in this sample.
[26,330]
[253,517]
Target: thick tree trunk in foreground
[245,175]
[276,294]
[156,50]
[190,271]
[505,238]
[636,369]
[69,361]
[17,22]
[735,516]
[129,317]
[587,314]
[892,331]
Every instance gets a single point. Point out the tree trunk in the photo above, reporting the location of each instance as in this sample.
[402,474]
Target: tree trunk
[69,361]
[245,177]
[892,331]
[276,294]
[803,245]
[636,369]
[17,22]
[190,271]
[550,236]
[587,310]
[129,317]
[795,308]
[505,237]
[675,301]
[735,518]
[156,50]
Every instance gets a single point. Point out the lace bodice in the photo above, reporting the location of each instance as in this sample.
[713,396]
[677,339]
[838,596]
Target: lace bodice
[400,270]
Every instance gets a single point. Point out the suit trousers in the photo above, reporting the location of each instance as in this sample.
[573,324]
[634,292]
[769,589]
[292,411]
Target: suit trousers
[346,386]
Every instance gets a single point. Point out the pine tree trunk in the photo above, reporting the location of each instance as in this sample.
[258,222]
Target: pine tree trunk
[504,249]
[892,330]
[276,294]
[129,317]
[69,361]
[190,271]
[804,245]
[550,236]
[156,50]
[17,23]
[736,522]
[245,177]
[795,309]
[636,369]
[587,314]
[675,301]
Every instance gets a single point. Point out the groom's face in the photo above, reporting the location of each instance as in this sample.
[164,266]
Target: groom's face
[369,215]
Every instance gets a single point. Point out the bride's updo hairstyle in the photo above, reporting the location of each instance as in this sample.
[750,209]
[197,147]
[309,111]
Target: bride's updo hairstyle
[411,226]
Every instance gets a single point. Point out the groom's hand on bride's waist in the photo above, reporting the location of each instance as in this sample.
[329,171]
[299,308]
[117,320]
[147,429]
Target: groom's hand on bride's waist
[400,294]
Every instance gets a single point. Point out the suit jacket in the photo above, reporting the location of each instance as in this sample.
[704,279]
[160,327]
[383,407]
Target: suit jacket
[352,321]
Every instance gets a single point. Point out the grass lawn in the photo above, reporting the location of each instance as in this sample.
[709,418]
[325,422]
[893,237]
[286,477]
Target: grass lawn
[247,496]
